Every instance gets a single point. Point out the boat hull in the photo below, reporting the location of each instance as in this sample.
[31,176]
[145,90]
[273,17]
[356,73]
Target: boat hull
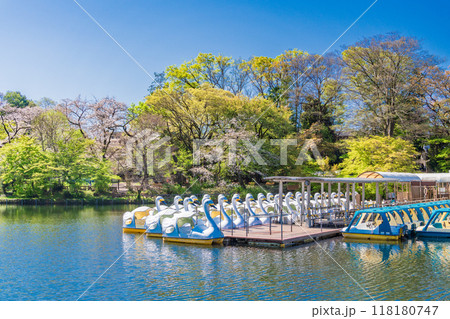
[432,234]
[372,236]
[154,235]
[133,230]
[194,241]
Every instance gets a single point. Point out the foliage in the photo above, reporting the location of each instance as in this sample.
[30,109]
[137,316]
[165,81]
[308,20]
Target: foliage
[31,171]
[385,75]
[23,165]
[17,99]
[378,153]
[439,154]
[385,91]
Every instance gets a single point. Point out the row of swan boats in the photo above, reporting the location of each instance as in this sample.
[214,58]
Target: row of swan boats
[190,221]
[431,220]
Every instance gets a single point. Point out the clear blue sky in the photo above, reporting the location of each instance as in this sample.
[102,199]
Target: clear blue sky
[51,48]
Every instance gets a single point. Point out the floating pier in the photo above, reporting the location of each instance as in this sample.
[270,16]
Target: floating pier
[262,236]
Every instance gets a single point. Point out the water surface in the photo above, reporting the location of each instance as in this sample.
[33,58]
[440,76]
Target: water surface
[56,253]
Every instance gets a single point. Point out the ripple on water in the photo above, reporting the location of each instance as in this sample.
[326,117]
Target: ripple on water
[56,253]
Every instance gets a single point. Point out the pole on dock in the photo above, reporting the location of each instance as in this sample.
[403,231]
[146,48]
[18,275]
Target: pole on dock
[302,206]
[280,203]
[339,195]
[232,220]
[270,224]
[329,194]
[347,200]
[363,199]
[378,194]
[308,201]
[353,196]
[248,219]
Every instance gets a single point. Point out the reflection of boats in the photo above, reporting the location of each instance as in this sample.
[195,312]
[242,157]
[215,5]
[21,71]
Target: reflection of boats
[374,251]
[377,223]
[184,229]
[438,226]
[134,221]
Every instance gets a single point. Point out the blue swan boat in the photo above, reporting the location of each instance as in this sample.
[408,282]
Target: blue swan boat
[184,229]
[153,224]
[134,221]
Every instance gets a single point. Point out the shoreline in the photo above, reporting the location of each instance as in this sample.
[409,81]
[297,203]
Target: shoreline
[74,202]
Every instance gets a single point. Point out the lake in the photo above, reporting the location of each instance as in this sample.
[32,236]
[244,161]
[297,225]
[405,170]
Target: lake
[57,253]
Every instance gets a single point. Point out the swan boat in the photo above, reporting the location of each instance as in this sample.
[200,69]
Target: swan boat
[153,223]
[134,221]
[184,230]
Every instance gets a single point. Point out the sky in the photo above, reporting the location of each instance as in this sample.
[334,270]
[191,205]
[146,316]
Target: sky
[51,48]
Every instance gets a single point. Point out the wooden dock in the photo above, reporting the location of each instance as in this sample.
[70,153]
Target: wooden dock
[270,236]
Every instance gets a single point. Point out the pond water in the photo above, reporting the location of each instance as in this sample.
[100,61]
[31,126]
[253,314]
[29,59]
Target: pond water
[57,253]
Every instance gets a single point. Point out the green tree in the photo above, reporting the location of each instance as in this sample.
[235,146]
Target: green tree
[378,153]
[17,99]
[30,171]
[385,75]
[22,166]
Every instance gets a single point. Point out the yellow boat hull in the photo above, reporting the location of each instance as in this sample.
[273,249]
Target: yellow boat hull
[193,241]
[133,230]
[154,235]
[372,237]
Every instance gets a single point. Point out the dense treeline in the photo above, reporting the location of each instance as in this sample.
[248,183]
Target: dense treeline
[380,104]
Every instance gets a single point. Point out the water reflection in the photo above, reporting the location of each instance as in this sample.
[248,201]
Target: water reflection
[55,253]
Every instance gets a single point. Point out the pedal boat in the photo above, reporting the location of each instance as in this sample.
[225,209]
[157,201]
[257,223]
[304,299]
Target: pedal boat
[153,223]
[184,230]
[438,226]
[221,217]
[134,221]
[253,219]
[374,224]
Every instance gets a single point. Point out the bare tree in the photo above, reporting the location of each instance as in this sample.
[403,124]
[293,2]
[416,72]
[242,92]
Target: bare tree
[16,121]
[98,120]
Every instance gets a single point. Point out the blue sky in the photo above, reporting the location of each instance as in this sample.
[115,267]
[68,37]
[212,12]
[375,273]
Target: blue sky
[51,48]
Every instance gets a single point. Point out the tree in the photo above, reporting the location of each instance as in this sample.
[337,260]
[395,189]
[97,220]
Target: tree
[384,75]
[219,71]
[31,172]
[437,99]
[17,99]
[46,103]
[50,127]
[378,153]
[22,166]
[15,121]
[98,120]
[205,112]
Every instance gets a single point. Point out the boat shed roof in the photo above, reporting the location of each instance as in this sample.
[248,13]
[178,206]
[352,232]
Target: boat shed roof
[400,177]
[314,179]
[434,177]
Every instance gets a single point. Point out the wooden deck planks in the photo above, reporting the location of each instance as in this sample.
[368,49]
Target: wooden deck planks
[261,236]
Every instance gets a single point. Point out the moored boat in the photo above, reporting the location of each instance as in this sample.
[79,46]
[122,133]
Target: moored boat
[184,230]
[377,223]
[134,221]
[438,226]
